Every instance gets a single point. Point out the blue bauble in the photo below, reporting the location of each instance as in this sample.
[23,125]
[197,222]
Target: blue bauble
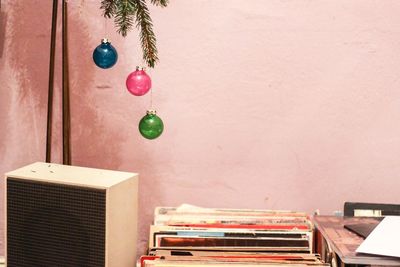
[105,56]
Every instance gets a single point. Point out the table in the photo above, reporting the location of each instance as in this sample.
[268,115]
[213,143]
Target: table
[343,243]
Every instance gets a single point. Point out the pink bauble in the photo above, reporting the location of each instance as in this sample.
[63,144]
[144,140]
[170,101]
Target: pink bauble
[138,82]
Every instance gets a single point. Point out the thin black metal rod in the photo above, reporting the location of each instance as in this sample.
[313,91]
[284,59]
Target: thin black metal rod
[51,80]
[66,115]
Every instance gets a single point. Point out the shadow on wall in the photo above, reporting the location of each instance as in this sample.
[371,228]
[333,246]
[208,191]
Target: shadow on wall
[94,143]
[89,132]
[29,58]
[3,22]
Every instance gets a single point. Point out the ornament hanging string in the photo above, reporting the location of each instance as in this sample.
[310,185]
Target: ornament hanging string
[106,31]
[105,27]
[151,92]
[151,75]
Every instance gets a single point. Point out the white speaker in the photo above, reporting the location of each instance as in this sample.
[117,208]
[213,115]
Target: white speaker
[59,215]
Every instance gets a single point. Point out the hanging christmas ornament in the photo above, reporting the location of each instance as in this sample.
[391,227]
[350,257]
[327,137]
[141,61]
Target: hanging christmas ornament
[151,126]
[105,56]
[138,82]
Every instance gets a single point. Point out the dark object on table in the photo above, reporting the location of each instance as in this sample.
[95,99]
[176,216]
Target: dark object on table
[363,229]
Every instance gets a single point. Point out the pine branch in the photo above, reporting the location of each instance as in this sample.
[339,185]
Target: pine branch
[162,3]
[147,37]
[109,8]
[124,16]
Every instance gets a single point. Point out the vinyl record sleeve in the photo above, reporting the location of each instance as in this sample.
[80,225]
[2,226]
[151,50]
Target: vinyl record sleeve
[222,218]
[234,259]
[160,233]
[237,254]
[200,263]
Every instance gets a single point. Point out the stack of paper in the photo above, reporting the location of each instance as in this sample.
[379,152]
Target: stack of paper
[384,239]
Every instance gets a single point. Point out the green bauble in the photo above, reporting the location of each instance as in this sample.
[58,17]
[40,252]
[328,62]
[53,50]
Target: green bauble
[151,126]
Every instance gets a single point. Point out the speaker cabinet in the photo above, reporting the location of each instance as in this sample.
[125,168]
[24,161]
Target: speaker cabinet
[59,215]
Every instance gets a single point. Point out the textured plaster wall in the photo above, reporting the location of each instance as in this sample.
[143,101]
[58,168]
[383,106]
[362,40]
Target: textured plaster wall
[267,104]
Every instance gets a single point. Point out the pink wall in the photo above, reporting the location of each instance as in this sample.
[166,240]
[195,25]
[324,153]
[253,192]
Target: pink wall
[266,104]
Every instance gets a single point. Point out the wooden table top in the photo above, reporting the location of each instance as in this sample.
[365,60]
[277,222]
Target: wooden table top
[345,242]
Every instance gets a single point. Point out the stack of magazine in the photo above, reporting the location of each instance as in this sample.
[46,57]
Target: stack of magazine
[193,236]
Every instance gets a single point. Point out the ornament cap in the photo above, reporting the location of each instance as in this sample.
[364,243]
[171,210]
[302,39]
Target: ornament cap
[105,41]
[151,112]
[140,68]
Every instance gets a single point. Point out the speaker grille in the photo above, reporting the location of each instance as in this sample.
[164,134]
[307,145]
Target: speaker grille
[52,224]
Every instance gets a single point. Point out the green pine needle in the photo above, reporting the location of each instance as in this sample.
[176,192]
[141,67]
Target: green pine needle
[162,3]
[126,14]
[109,8]
[147,37]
